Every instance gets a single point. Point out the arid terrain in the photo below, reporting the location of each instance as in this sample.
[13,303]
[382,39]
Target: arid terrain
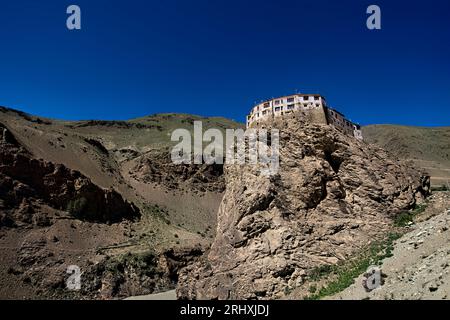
[105,196]
[419,267]
[427,148]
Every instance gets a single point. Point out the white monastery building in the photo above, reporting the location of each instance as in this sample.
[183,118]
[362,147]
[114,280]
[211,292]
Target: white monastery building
[306,103]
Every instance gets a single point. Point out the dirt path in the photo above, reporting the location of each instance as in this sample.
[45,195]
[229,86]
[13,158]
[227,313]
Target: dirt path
[168,295]
[419,267]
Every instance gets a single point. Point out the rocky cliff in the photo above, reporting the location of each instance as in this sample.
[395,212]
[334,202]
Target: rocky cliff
[26,182]
[332,196]
[157,167]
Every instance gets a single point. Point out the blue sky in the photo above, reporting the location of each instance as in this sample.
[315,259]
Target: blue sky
[216,58]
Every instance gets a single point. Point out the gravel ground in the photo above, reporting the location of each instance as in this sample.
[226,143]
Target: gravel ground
[419,267]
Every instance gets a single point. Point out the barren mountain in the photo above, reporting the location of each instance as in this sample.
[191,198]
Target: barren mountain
[427,147]
[102,195]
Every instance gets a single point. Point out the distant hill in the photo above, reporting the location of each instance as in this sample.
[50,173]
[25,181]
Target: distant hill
[427,147]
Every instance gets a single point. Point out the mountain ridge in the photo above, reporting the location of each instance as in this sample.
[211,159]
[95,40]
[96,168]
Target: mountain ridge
[426,147]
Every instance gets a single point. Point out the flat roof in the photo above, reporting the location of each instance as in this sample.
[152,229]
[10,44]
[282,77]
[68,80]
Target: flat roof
[333,109]
[291,95]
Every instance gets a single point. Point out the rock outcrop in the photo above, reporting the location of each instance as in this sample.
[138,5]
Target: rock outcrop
[157,167]
[331,196]
[137,273]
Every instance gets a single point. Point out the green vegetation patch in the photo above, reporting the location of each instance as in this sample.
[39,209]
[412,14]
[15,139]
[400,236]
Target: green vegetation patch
[346,272]
[157,212]
[404,218]
[145,263]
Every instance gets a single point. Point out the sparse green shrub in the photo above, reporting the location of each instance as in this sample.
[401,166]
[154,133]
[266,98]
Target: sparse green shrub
[402,219]
[312,288]
[346,272]
[158,212]
[321,271]
[144,262]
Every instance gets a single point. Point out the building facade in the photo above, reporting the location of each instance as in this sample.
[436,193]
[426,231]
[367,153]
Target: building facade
[313,104]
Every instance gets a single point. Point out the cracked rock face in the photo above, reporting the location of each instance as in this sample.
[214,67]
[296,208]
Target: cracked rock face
[332,195]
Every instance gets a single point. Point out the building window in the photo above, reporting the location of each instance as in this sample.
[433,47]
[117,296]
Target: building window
[290,107]
[316,98]
[306,98]
[266,105]
[277,102]
[277,108]
[290,100]
[264,112]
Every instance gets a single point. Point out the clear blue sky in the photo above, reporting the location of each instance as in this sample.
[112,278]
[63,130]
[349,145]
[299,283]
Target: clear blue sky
[216,58]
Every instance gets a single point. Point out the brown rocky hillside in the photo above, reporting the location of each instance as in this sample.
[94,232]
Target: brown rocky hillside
[105,196]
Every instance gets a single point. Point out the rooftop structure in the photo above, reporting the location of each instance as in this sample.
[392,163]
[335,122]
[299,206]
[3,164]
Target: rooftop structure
[314,104]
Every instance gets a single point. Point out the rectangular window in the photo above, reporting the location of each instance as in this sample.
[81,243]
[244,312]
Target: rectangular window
[290,100]
[277,102]
[266,105]
[316,98]
[290,107]
[264,112]
[306,98]
[277,108]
